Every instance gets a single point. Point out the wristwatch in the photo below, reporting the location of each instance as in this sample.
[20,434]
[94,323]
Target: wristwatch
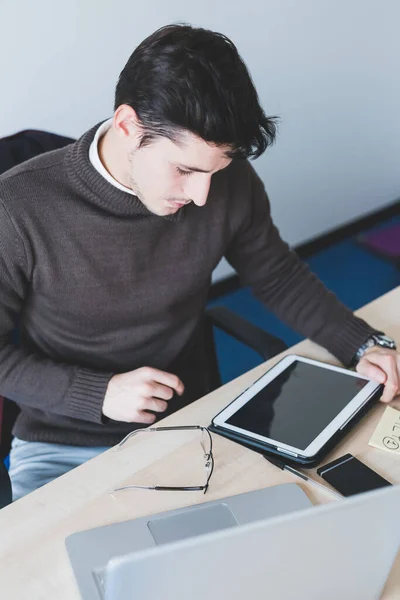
[376,339]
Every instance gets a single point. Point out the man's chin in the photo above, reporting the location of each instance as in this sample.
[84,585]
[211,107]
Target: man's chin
[163,209]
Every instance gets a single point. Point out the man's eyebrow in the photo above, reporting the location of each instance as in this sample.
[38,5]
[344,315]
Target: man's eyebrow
[196,169]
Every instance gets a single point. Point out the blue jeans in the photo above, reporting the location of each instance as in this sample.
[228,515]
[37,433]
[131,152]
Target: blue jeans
[33,464]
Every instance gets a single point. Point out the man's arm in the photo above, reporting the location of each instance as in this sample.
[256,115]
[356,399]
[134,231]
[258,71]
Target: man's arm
[28,378]
[63,389]
[285,284]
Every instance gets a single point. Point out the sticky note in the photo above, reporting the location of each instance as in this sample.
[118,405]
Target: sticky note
[387,434]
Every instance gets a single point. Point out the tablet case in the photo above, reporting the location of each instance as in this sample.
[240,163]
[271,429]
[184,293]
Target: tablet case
[290,459]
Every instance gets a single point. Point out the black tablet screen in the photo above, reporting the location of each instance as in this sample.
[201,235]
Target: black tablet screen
[298,404]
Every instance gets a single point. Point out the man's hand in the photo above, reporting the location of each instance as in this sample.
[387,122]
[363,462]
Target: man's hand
[382,365]
[131,395]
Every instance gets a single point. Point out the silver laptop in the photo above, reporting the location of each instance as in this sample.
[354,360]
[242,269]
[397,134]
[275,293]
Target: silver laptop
[91,550]
[343,550]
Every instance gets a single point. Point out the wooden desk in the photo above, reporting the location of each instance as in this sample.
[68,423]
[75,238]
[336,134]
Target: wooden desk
[33,560]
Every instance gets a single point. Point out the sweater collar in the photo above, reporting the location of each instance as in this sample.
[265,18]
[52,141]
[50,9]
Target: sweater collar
[94,157]
[91,185]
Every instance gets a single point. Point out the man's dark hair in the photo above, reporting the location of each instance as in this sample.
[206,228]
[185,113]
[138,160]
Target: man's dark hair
[186,78]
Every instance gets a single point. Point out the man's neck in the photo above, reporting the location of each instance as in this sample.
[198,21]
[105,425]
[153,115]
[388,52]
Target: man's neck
[112,158]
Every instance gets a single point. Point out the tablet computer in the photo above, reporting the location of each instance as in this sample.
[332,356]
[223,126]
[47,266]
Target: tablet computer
[297,407]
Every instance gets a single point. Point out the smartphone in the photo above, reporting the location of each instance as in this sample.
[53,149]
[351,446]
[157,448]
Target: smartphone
[350,476]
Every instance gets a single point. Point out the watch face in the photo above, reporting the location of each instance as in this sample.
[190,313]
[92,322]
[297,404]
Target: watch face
[385,341]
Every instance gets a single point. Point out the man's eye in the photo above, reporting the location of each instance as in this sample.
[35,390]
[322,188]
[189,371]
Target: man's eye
[184,173]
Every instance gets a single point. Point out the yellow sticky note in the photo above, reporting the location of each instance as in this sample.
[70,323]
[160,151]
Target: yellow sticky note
[387,434]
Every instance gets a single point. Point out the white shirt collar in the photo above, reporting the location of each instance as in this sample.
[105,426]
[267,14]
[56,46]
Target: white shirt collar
[95,158]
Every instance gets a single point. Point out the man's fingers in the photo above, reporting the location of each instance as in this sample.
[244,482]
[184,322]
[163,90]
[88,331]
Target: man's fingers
[161,391]
[130,396]
[367,369]
[164,378]
[387,366]
[145,417]
[391,388]
[155,405]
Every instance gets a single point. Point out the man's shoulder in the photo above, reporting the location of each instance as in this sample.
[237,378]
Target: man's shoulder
[238,169]
[239,193]
[238,180]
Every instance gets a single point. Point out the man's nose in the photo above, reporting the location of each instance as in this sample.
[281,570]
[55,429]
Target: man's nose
[198,189]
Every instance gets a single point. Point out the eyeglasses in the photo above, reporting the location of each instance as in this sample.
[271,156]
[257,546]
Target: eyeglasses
[206,444]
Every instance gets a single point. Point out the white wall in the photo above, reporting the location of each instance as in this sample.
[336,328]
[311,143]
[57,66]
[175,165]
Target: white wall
[329,68]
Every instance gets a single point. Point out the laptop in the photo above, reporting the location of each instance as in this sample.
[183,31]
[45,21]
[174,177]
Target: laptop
[90,551]
[340,550]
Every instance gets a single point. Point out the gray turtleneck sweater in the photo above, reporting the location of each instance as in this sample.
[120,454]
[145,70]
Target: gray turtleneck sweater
[99,285]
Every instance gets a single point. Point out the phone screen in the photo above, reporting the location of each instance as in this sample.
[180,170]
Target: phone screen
[350,476]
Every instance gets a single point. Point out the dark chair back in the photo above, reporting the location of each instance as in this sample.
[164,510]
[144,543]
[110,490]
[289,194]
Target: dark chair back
[5,486]
[21,146]
[15,149]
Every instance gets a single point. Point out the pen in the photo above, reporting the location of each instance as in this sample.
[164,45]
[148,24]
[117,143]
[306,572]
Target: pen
[284,467]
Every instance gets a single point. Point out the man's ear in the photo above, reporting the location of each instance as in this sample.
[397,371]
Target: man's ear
[126,123]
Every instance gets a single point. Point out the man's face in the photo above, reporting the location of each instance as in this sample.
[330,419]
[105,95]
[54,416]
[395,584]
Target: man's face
[166,175]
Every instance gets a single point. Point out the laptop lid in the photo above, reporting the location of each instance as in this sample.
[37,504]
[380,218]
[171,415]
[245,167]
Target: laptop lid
[90,551]
[341,550]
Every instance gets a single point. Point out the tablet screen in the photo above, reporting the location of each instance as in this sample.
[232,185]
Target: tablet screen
[298,404]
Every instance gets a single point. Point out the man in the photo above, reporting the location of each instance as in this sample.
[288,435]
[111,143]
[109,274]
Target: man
[107,248]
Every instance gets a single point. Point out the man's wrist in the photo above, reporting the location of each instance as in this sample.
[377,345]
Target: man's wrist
[379,340]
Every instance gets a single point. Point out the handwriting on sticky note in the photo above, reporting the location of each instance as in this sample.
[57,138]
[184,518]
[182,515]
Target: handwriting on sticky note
[387,434]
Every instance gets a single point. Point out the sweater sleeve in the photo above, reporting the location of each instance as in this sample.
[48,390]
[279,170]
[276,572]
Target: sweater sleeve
[286,286]
[30,379]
